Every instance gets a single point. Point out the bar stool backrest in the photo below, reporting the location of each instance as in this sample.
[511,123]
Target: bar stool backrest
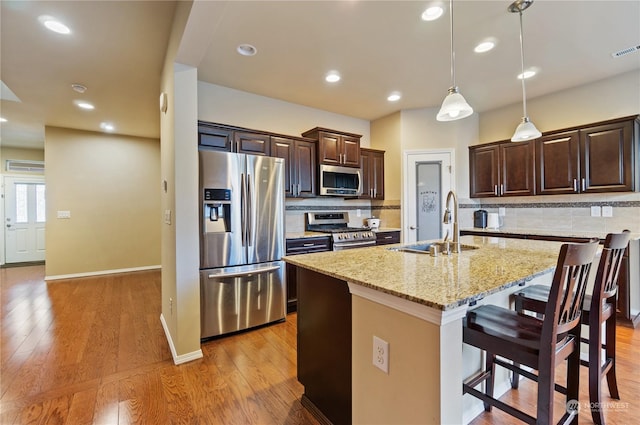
[606,283]
[567,289]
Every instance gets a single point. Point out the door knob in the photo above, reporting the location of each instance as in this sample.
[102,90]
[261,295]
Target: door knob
[413,227]
[8,225]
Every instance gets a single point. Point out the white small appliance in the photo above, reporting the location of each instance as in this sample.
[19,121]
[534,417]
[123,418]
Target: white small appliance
[373,223]
[493,221]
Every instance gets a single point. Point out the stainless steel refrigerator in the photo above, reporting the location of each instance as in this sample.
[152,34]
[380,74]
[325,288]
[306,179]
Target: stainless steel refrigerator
[242,282]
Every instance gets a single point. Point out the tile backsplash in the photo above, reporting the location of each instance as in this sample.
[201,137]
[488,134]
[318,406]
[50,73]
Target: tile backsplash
[562,214]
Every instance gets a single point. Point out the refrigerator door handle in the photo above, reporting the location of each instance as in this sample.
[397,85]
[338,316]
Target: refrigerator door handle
[249,212]
[243,273]
[243,213]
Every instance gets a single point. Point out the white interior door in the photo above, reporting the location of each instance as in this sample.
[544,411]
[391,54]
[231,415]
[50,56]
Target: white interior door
[428,179]
[24,213]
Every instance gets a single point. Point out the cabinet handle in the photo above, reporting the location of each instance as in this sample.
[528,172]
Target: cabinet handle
[584,184]
[495,190]
[308,244]
[375,193]
[501,189]
[298,189]
[575,185]
[388,237]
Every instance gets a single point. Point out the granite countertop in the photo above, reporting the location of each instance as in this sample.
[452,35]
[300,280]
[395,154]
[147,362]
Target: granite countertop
[386,229]
[534,232]
[442,282]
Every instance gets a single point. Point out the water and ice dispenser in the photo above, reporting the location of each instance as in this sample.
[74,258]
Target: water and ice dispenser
[217,211]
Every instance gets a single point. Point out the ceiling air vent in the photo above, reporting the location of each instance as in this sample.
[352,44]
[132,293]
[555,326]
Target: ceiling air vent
[626,51]
[23,165]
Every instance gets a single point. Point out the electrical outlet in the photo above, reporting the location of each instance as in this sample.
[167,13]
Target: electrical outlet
[171,306]
[167,216]
[381,354]
[358,212]
[607,211]
[595,211]
[502,211]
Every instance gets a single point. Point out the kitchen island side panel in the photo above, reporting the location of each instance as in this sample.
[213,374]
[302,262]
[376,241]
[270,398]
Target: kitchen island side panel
[324,343]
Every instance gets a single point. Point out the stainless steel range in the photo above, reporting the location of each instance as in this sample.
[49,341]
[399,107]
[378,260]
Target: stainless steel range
[343,236]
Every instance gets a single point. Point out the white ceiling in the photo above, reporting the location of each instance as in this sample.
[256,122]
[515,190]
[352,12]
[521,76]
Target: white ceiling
[117,49]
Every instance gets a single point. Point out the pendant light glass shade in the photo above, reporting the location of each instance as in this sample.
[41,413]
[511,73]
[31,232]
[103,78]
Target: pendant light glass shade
[454,106]
[526,130]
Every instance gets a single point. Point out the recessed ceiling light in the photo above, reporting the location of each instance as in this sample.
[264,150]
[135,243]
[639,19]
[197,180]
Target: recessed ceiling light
[3,119]
[246,50]
[106,126]
[332,77]
[84,105]
[432,13]
[54,25]
[79,87]
[527,74]
[485,46]
[394,97]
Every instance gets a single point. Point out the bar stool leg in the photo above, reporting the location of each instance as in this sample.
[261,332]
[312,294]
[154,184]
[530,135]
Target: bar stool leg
[610,351]
[489,383]
[595,366]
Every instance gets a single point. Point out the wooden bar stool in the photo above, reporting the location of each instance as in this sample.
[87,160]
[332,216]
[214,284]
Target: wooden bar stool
[597,308]
[540,344]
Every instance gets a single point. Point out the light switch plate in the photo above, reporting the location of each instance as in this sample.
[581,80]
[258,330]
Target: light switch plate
[607,211]
[64,214]
[595,211]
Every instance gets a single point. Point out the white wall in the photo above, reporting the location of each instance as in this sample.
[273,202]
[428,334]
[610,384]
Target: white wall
[614,97]
[228,106]
[421,130]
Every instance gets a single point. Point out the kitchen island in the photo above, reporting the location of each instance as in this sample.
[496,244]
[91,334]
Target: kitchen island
[414,302]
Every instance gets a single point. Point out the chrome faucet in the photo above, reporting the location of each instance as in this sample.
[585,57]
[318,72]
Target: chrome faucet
[447,220]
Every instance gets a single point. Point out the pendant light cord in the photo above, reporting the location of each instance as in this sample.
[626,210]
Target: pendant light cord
[524,92]
[453,55]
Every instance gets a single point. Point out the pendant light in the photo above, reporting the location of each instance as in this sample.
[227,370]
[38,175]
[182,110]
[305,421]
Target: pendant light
[454,107]
[526,130]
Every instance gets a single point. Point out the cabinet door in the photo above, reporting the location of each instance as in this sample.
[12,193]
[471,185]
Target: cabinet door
[304,163]
[557,159]
[377,173]
[252,143]
[367,181]
[350,151]
[215,138]
[606,158]
[483,171]
[329,149]
[516,169]
[283,148]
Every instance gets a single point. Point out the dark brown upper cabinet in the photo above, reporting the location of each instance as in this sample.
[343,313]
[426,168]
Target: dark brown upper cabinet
[372,165]
[595,158]
[230,139]
[336,147]
[300,165]
[252,143]
[501,169]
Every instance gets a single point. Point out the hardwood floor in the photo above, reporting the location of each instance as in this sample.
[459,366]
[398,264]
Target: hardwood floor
[92,351]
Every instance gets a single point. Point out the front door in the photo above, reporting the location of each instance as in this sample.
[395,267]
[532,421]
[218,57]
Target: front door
[24,219]
[428,180]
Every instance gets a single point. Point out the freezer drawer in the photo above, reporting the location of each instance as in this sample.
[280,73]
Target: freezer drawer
[237,298]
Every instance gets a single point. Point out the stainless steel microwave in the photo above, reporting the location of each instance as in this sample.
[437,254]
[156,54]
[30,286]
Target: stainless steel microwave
[340,181]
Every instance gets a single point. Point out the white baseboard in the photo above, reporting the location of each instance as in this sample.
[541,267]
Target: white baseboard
[183,358]
[102,272]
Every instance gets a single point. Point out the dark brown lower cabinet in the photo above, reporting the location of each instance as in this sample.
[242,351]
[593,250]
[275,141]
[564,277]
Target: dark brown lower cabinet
[324,346]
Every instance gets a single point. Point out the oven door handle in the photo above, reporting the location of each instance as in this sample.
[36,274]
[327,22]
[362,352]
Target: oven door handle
[352,244]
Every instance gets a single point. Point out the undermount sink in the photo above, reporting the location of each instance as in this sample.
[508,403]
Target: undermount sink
[423,248]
